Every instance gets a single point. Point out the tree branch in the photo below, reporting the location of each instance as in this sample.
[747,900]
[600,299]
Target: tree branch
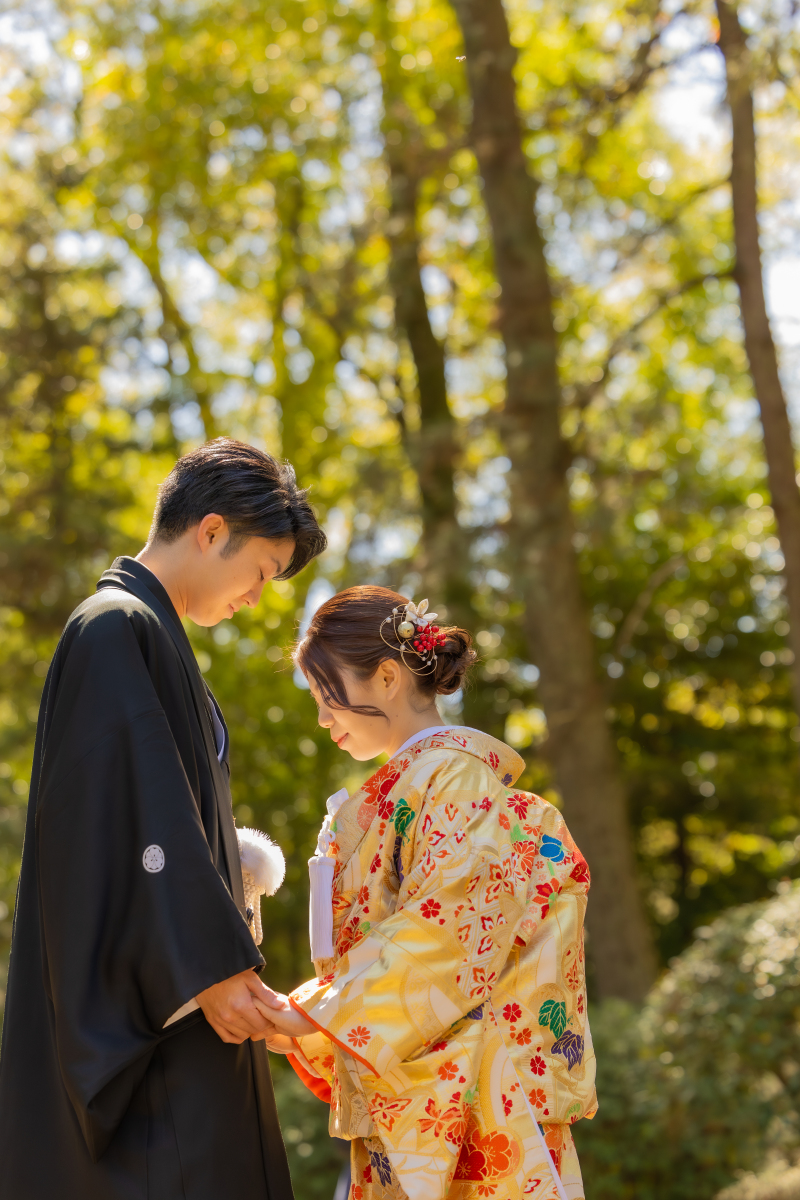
[171,315]
[642,603]
[586,392]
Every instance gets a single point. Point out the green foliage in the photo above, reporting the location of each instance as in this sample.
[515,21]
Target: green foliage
[704,1082]
[315,1160]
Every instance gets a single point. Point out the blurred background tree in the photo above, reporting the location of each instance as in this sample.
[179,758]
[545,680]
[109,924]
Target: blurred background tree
[268,220]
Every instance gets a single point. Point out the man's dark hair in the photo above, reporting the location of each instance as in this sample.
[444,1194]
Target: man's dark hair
[257,495]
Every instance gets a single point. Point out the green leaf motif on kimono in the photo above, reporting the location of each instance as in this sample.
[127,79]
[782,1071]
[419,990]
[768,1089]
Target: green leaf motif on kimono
[574,1110]
[517,835]
[402,817]
[364,927]
[554,1014]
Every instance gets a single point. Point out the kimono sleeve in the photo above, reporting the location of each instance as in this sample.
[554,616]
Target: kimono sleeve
[438,956]
[313,1064]
[136,918]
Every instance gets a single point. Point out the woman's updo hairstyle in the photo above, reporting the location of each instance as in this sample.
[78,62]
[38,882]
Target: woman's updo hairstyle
[345,631]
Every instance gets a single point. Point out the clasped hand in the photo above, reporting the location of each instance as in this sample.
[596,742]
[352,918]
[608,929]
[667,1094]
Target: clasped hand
[243,1007]
[286,1022]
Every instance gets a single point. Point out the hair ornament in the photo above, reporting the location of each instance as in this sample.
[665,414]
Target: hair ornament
[415,634]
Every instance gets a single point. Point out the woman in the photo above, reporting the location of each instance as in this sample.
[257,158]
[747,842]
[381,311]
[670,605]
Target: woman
[447,1023]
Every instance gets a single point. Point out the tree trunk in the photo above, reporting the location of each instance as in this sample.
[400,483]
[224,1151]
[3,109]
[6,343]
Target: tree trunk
[433,449]
[579,743]
[760,348]
[444,555]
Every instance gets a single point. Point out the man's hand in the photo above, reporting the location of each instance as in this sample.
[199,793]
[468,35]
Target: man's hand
[230,1008]
[285,1019]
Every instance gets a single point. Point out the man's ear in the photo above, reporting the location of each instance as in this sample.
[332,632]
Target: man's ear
[211,531]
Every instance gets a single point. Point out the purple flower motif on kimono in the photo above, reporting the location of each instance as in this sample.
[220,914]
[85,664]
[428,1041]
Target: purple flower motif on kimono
[553,849]
[380,1163]
[571,1046]
[507,780]
[476,1014]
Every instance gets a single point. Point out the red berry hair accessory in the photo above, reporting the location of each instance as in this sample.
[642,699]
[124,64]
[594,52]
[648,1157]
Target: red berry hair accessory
[413,632]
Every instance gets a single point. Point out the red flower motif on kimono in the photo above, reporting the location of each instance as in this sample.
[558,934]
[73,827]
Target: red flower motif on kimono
[524,1037]
[491,1156]
[482,983]
[451,1121]
[368,1173]
[524,859]
[538,1097]
[376,862]
[359,1036]
[538,1065]
[507,1104]
[363,895]
[439,1046]
[580,872]
[349,935]
[494,761]
[385,809]
[447,1070]
[499,880]
[554,1140]
[385,1110]
[382,782]
[504,821]
[512,1012]
[430,909]
[580,1003]
[519,804]
[357,1192]
[545,893]
[485,804]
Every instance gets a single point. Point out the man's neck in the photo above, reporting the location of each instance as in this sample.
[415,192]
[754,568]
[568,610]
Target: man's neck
[161,561]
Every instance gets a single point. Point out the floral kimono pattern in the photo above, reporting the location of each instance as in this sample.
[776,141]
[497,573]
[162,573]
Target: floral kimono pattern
[454,1009]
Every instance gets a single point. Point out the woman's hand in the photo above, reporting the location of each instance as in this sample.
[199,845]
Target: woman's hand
[276,1008]
[278,1043]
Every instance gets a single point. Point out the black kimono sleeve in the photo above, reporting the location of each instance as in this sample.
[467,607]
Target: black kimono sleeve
[136,917]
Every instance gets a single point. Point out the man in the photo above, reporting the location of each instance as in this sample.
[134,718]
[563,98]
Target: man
[133,1064]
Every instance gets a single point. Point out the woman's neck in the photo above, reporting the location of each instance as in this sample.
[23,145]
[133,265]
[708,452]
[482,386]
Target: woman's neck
[405,727]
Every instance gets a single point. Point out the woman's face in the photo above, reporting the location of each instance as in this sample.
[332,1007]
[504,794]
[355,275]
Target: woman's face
[362,737]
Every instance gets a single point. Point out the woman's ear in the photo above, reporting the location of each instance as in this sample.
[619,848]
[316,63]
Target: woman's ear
[390,678]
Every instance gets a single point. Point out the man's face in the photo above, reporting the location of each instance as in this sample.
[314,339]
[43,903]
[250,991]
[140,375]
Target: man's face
[218,585]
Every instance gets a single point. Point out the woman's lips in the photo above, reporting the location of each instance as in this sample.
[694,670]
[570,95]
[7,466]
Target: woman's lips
[340,741]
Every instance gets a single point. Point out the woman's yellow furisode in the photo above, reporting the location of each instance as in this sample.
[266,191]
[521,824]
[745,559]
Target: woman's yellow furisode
[453,1012]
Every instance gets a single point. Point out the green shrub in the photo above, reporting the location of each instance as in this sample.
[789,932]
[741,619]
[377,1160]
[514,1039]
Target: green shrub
[315,1159]
[702,1084]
